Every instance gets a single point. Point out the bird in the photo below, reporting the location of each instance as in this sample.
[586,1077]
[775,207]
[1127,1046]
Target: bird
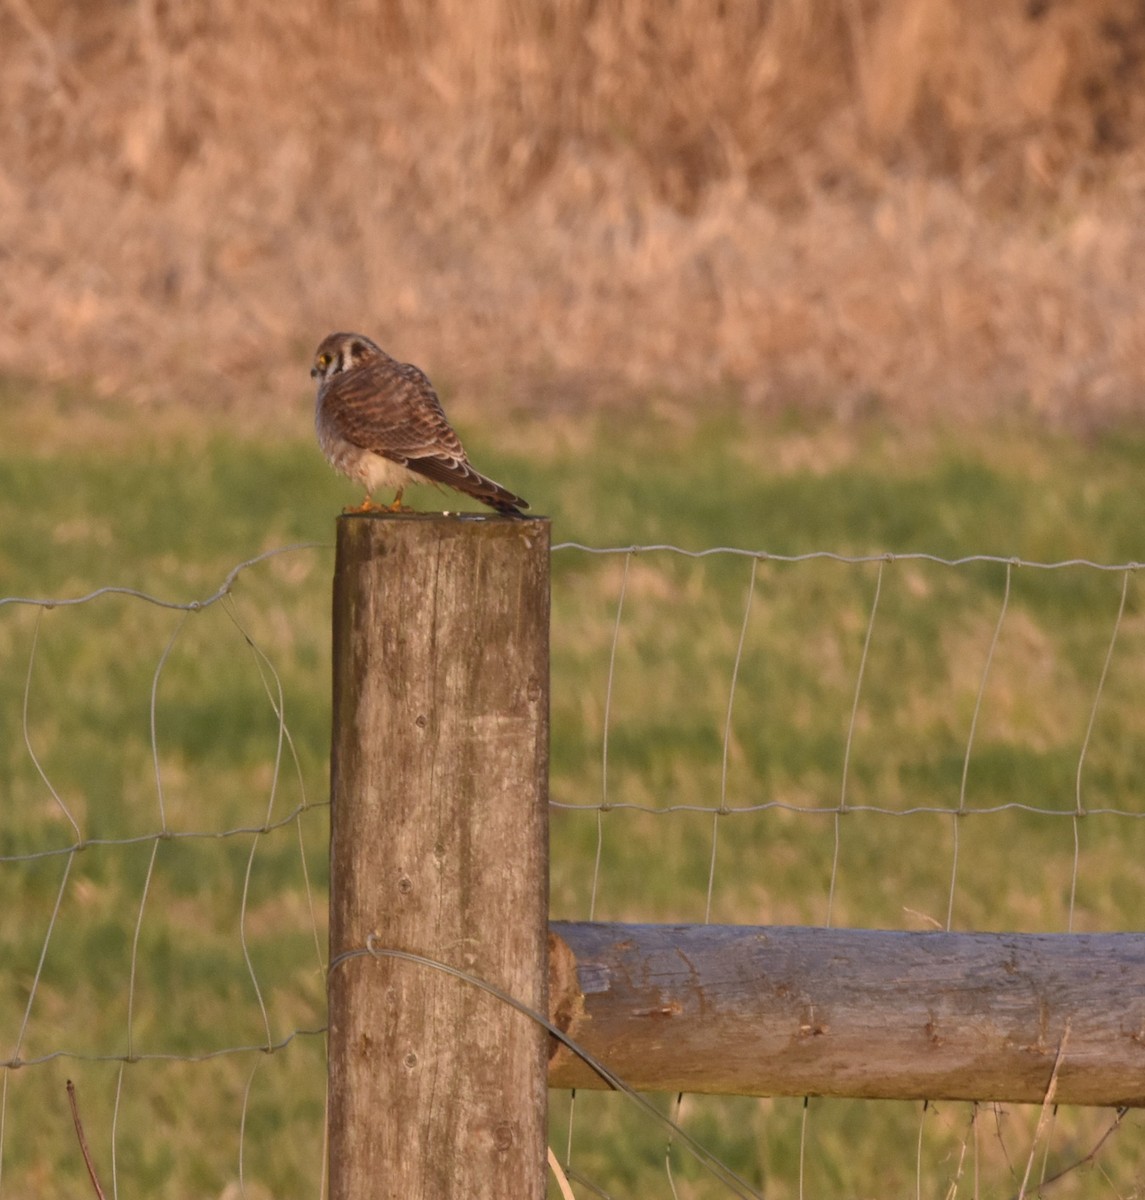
[380,422]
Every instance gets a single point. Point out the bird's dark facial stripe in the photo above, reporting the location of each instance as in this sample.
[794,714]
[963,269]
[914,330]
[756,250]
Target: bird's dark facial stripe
[357,352]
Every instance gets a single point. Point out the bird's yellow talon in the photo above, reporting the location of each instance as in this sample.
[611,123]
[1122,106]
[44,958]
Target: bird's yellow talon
[367,506]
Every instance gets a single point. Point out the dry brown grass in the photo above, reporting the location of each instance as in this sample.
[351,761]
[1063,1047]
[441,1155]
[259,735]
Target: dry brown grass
[836,204]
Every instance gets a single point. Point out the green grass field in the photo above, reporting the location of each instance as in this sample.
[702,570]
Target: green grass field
[196,944]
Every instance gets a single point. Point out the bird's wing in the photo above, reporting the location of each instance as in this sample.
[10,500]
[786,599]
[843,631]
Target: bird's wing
[391,408]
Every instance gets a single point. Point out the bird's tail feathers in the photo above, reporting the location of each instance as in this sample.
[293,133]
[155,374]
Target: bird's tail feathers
[461,476]
[488,491]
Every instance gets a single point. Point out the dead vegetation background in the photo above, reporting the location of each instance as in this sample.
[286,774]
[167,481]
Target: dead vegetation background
[831,205]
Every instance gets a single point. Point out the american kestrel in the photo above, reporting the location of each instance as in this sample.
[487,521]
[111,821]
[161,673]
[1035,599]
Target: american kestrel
[379,421]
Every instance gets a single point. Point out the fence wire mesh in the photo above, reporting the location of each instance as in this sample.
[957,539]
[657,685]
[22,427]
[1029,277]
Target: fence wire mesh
[162,874]
[900,742]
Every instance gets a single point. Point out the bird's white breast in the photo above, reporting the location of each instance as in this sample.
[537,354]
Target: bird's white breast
[373,471]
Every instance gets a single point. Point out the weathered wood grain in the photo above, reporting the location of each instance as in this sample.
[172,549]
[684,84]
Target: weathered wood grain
[439,768]
[864,1013]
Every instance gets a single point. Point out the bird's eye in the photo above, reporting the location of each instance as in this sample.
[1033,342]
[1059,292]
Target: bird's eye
[323,361]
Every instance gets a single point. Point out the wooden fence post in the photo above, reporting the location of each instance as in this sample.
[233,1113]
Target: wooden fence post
[439,792]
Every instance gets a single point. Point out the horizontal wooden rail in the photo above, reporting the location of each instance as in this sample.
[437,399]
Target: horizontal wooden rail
[865,1013]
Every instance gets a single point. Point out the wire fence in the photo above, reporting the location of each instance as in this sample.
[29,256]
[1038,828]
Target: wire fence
[900,742]
[162,868]
[891,741]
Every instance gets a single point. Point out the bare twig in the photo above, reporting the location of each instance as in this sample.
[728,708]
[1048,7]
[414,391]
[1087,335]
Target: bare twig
[1047,1106]
[83,1141]
[1122,1113]
[560,1177]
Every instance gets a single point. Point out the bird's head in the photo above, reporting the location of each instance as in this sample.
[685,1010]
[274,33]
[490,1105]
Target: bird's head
[343,352]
